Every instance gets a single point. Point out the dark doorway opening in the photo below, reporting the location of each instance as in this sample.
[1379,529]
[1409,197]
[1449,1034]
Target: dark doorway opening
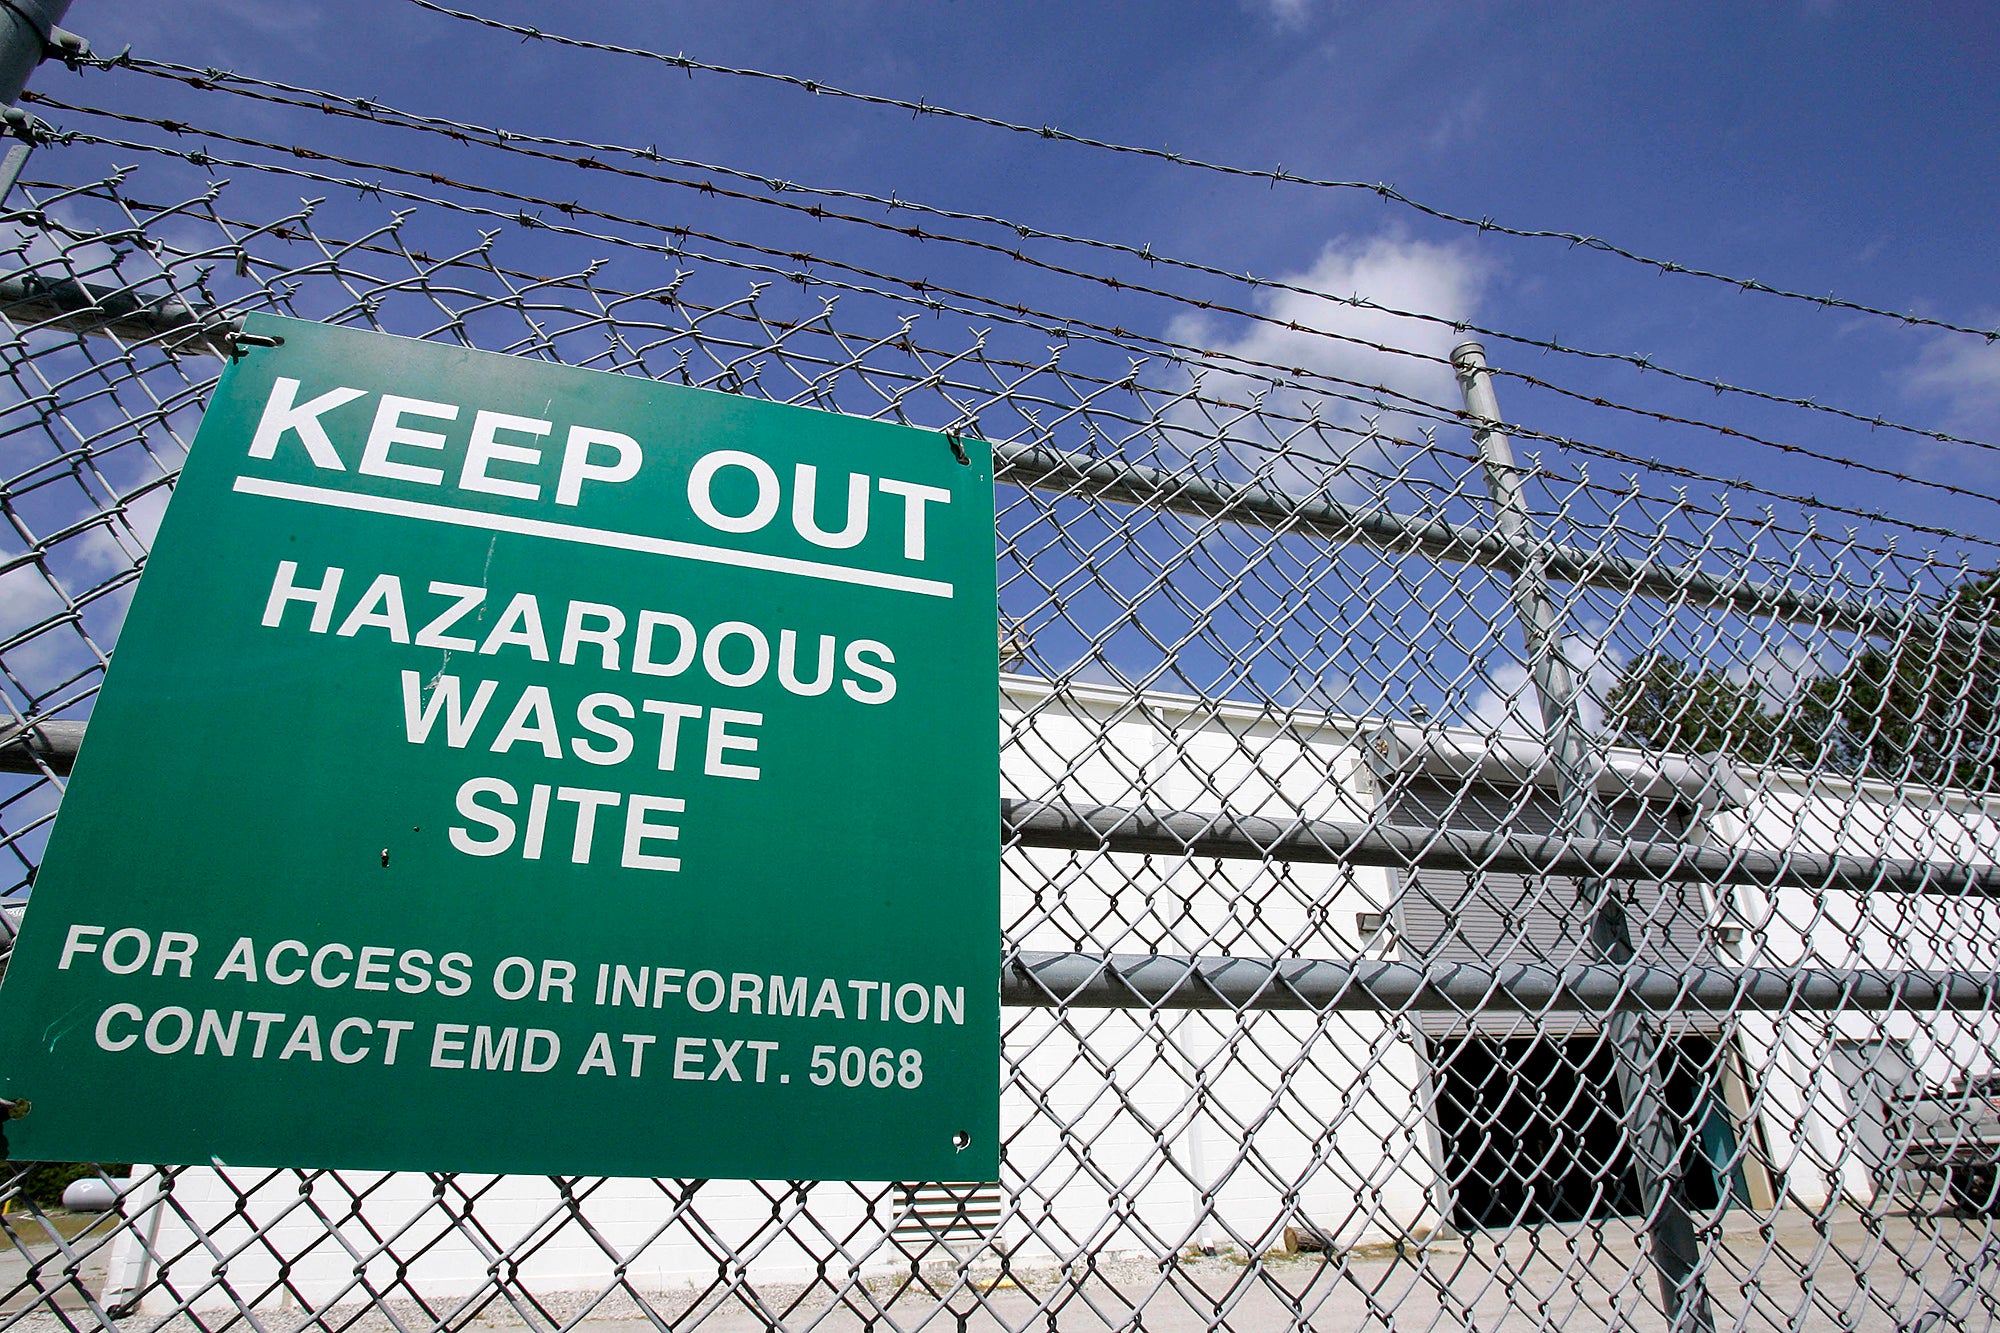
[1533,1129]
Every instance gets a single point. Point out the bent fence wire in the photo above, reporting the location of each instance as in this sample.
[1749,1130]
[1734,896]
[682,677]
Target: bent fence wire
[1442,888]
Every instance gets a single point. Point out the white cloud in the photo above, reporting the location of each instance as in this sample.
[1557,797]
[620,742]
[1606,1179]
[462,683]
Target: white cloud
[1508,705]
[1339,340]
[1288,13]
[1781,672]
[1963,375]
[26,599]
[51,654]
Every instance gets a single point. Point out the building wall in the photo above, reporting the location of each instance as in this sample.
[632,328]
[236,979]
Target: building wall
[1810,1108]
[1320,1107]
[1119,1125]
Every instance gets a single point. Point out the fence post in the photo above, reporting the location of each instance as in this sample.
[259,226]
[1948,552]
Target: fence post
[27,27]
[1636,1047]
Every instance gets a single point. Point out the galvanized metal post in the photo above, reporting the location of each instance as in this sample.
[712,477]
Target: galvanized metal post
[26,29]
[10,167]
[1655,1133]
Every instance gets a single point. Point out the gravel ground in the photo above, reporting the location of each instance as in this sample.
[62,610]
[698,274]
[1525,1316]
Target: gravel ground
[1870,1273]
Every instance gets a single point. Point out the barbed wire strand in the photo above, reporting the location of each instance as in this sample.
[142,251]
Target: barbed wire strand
[1058,326]
[1276,176]
[521,283]
[1404,401]
[375,111]
[927,292]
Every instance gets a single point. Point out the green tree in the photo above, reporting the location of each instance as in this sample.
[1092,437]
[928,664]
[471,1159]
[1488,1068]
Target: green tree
[1924,707]
[1662,703]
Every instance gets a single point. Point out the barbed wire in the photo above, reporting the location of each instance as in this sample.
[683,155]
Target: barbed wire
[1276,176]
[1057,326]
[932,297]
[375,111]
[921,287]
[246,260]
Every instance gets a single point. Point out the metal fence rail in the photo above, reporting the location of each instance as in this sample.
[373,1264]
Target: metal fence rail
[1441,889]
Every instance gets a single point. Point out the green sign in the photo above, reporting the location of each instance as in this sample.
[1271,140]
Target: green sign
[515,768]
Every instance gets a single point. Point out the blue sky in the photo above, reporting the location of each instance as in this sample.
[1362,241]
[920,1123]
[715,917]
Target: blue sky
[1823,147]
[1826,147]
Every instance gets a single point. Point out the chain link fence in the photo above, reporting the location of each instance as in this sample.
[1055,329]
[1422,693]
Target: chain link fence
[1441,888]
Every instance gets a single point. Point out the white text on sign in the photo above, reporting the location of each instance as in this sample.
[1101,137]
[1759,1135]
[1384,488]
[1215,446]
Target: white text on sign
[504,456]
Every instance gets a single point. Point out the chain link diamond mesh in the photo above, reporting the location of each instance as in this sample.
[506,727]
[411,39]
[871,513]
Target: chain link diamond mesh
[1347,984]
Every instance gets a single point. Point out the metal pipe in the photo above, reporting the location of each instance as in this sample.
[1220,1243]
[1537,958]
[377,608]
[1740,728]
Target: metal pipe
[1041,980]
[1459,756]
[11,166]
[1256,505]
[1080,827]
[1656,1132]
[27,33]
[50,745]
[1941,1312]
[1555,683]
[76,307]
[1067,826]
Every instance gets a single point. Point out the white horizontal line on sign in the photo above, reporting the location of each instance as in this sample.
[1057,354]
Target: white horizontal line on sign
[570,532]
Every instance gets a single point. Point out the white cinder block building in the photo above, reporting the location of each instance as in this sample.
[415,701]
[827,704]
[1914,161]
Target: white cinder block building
[1150,1132]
